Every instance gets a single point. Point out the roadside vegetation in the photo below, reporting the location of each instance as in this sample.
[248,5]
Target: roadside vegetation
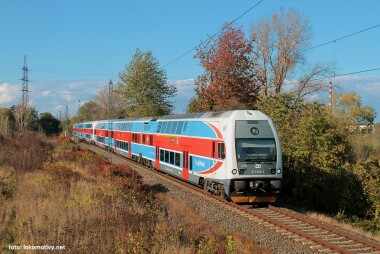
[74,198]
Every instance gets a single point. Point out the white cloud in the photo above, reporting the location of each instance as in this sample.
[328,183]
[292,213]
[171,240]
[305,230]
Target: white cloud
[45,93]
[373,87]
[9,93]
[59,107]
[67,95]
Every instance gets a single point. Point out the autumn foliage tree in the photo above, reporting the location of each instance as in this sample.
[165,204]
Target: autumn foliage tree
[228,81]
[279,48]
[349,110]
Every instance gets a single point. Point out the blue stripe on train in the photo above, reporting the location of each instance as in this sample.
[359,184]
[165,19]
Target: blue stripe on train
[144,150]
[200,164]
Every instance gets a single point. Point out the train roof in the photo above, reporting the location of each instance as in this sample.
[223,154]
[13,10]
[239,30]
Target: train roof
[213,115]
[194,116]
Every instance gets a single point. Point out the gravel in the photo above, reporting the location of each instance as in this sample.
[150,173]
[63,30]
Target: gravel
[231,221]
[215,213]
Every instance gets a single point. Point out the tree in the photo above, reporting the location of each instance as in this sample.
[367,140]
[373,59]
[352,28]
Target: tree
[5,122]
[228,81]
[314,152]
[26,118]
[102,100]
[49,124]
[349,111]
[90,111]
[278,48]
[144,88]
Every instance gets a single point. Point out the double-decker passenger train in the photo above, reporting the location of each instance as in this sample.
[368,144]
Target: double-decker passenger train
[235,154]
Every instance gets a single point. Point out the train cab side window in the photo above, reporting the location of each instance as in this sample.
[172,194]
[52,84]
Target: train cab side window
[151,140]
[221,153]
[162,155]
[143,139]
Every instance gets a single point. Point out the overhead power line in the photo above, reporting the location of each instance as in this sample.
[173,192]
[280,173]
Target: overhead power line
[218,32]
[338,75]
[341,38]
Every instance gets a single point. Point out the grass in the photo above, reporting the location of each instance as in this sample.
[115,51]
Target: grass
[78,200]
[343,223]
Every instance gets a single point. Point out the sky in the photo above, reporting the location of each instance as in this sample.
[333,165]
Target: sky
[74,48]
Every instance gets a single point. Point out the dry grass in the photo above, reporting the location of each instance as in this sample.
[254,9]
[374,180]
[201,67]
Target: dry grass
[334,222]
[79,201]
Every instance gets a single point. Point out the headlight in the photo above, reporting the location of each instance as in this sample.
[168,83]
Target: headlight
[234,171]
[278,171]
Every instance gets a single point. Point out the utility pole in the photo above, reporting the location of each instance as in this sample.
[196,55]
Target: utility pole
[110,113]
[67,121]
[25,86]
[78,110]
[330,97]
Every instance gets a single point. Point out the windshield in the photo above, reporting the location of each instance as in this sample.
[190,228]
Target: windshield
[255,150]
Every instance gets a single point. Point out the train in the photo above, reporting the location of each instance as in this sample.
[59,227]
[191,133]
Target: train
[235,154]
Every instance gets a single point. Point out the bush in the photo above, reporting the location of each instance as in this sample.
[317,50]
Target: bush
[25,152]
[368,172]
[8,182]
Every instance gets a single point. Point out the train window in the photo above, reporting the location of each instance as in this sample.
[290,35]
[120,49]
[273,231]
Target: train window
[171,161]
[191,162]
[151,140]
[143,139]
[174,127]
[159,126]
[168,127]
[179,127]
[162,155]
[163,128]
[177,159]
[185,126]
[221,154]
[167,156]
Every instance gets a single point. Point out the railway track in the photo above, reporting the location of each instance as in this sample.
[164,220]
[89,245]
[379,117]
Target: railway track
[321,237]
[296,227]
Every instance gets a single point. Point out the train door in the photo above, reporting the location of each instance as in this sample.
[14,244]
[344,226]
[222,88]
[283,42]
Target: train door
[157,164]
[185,168]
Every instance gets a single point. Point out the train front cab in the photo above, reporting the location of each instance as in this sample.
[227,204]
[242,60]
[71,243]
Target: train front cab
[257,162]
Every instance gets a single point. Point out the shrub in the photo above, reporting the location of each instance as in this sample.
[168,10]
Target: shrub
[368,173]
[25,152]
[8,182]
